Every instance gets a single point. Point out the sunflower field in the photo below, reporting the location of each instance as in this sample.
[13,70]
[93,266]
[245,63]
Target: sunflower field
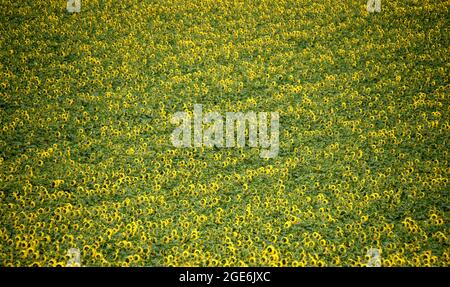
[86,160]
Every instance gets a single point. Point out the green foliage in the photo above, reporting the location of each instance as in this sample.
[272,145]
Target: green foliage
[86,161]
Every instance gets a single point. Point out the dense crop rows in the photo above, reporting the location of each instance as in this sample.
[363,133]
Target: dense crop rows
[86,159]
